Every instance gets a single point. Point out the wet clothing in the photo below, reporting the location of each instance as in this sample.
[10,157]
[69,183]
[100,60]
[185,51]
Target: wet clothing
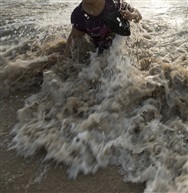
[101,35]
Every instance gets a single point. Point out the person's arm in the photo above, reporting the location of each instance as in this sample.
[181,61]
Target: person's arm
[72,39]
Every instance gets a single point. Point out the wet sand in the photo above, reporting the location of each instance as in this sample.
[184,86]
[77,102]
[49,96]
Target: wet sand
[31,175]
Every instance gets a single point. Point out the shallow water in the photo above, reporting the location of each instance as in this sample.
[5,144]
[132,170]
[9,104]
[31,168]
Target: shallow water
[127,107]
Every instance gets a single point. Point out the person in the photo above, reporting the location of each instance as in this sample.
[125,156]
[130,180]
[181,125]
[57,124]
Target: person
[88,18]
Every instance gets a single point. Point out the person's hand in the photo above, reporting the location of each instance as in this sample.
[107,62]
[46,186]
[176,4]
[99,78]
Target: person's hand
[134,15]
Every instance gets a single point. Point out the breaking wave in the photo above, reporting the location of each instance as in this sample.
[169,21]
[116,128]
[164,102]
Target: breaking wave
[127,107]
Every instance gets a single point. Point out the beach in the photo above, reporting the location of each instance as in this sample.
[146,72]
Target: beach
[114,123]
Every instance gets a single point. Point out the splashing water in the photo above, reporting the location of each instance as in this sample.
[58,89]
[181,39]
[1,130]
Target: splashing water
[127,107]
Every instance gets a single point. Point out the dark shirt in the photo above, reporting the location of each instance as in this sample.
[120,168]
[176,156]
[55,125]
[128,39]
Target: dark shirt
[94,26]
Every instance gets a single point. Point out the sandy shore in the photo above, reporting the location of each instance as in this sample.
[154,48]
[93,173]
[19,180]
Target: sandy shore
[20,175]
[158,48]
[31,175]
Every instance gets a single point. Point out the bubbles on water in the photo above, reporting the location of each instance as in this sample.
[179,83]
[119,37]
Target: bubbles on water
[127,107]
[129,127]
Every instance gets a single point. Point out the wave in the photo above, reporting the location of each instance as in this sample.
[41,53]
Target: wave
[127,107]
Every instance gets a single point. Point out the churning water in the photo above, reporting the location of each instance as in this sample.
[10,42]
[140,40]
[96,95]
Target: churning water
[128,107]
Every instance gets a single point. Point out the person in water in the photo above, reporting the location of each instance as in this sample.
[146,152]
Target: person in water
[88,18]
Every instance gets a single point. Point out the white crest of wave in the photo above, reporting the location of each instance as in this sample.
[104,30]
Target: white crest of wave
[127,108]
[106,113]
